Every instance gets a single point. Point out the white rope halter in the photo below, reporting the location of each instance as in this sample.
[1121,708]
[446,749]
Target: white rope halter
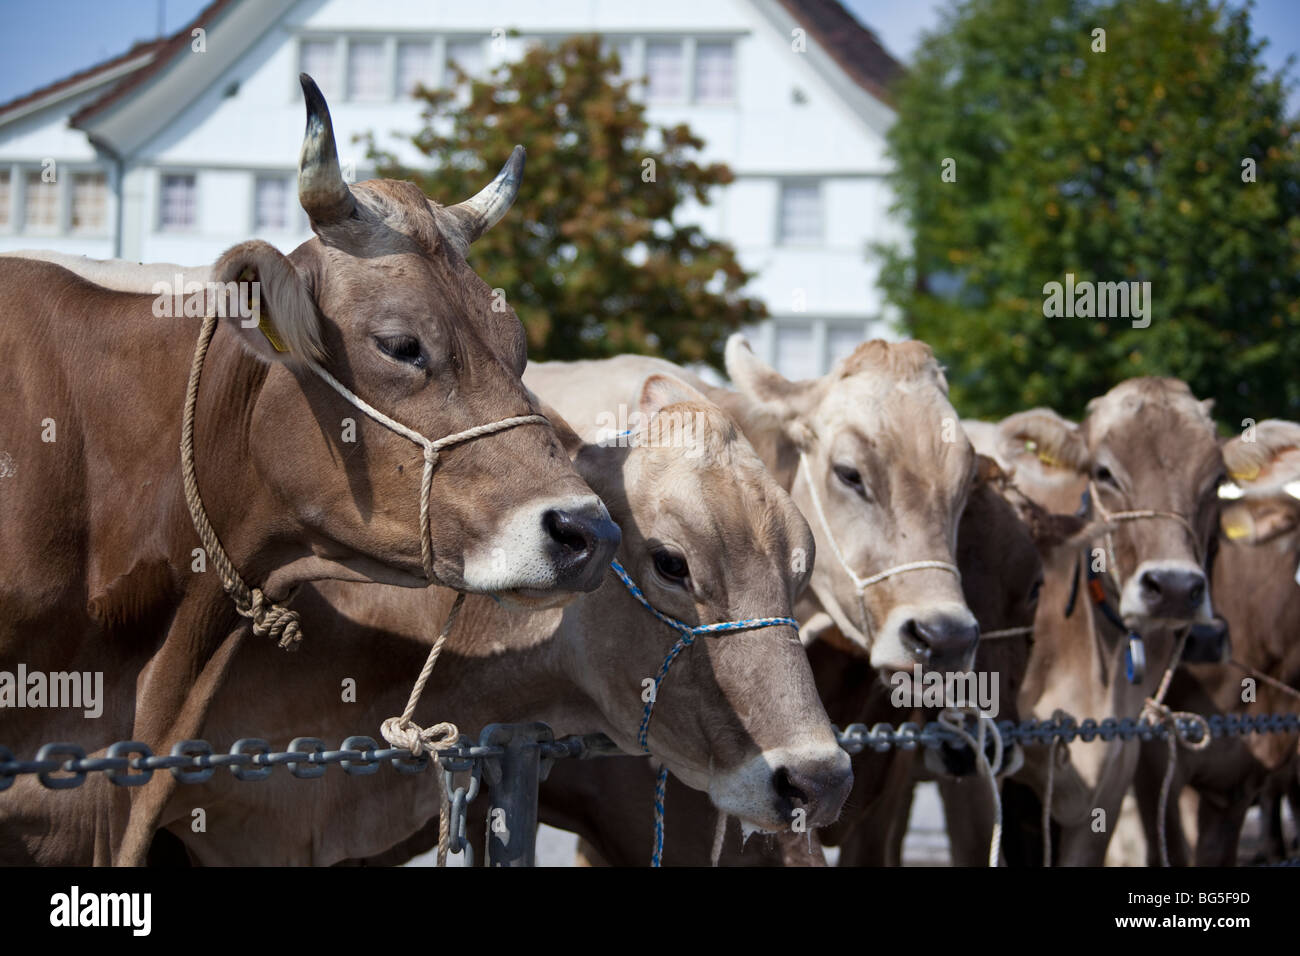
[431,449]
[861,584]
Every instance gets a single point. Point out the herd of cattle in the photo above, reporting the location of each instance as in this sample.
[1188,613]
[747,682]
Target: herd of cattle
[1052,556]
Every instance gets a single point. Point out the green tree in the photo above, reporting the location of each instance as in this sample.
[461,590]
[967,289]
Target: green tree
[594,257]
[1124,165]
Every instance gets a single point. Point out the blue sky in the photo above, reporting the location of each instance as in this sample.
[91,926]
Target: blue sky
[47,40]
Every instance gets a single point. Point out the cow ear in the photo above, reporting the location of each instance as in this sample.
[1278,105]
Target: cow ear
[262,297]
[1044,439]
[769,393]
[1257,521]
[659,391]
[1266,460]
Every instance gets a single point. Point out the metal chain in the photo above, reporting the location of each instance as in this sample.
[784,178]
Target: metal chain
[132,764]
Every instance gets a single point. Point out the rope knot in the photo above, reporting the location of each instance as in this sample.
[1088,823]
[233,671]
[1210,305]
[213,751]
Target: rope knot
[271,619]
[1161,713]
[404,733]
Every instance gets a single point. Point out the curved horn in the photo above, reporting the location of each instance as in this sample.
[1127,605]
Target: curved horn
[321,188]
[483,211]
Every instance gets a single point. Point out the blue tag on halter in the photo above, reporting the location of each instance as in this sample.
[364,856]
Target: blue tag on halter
[1135,658]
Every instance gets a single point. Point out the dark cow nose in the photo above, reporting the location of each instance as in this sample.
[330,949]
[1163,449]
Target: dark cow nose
[582,545]
[817,788]
[1207,643]
[943,641]
[1172,592]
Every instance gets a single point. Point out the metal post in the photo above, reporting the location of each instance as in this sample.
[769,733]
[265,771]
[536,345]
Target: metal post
[512,781]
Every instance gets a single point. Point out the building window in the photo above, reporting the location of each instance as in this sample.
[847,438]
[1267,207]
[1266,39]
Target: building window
[414,66]
[41,212]
[89,202]
[6,198]
[271,203]
[366,71]
[623,49]
[178,202]
[467,54]
[316,59]
[796,354]
[841,340]
[664,65]
[800,216]
[715,69]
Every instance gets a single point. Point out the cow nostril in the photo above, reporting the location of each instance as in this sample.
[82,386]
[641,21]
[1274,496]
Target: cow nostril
[913,639]
[1195,593]
[566,532]
[789,792]
[1150,583]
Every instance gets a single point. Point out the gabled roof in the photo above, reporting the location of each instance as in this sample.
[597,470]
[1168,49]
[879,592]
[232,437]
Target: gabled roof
[854,48]
[167,49]
[124,65]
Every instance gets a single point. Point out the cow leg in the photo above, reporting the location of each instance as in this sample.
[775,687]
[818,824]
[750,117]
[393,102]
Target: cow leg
[171,708]
[872,841]
[968,811]
[1147,783]
[1219,824]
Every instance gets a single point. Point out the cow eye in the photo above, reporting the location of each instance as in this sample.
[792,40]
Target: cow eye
[404,348]
[851,478]
[671,565]
[1104,476]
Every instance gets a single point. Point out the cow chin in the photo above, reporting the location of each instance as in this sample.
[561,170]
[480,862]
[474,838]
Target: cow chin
[778,788]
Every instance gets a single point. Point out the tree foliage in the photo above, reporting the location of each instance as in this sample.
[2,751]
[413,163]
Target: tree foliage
[1123,165]
[595,257]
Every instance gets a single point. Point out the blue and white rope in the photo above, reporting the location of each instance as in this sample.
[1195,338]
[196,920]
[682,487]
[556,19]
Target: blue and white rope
[688,634]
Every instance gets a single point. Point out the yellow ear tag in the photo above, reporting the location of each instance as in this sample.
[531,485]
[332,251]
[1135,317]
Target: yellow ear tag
[1244,475]
[1235,532]
[264,324]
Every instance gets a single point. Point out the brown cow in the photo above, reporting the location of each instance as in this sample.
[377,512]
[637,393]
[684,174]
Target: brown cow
[709,537]
[1255,590]
[607,802]
[1148,453]
[102,567]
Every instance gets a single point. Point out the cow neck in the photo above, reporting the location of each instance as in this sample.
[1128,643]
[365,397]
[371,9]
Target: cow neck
[860,584]
[688,633]
[271,619]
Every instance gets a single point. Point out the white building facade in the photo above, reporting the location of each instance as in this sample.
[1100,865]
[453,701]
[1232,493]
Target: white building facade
[187,145]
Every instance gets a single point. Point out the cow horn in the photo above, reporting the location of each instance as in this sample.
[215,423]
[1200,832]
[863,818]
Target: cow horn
[483,211]
[321,188]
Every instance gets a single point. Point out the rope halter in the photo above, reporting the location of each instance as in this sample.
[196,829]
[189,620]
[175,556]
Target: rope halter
[271,619]
[688,634]
[859,583]
[1115,517]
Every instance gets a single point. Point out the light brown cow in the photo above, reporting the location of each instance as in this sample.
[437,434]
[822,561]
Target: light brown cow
[1148,452]
[707,534]
[607,801]
[102,567]
[1255,590]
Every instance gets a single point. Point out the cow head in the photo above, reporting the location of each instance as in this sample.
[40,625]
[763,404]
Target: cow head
[709,536]
[383,301]
[877,445]
[1147,449]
